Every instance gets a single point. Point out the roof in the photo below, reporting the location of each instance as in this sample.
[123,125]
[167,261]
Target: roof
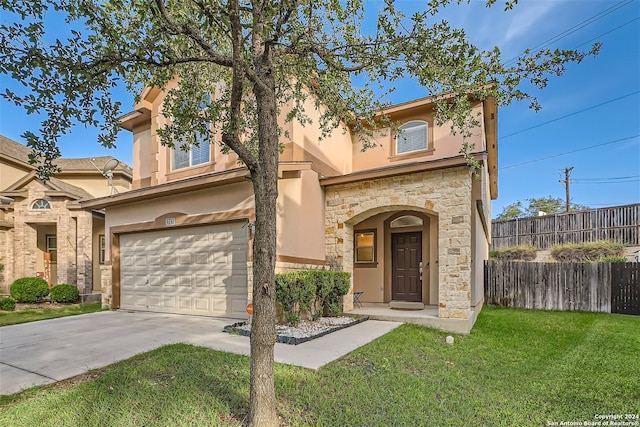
[14,150]
[20,153]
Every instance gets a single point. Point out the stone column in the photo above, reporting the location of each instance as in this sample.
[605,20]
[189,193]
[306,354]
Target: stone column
[105,282]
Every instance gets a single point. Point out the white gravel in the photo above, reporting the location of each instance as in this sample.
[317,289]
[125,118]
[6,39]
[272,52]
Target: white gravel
[308,328]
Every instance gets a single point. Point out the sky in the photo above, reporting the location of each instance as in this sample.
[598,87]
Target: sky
[590,117]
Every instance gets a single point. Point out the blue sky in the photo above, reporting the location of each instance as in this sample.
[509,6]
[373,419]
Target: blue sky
[590,117]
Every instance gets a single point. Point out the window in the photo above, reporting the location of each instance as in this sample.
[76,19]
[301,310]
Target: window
[365,246]
[52,247]
[412,136]
[102,248]
[41,204]
[196,155]
[406,221]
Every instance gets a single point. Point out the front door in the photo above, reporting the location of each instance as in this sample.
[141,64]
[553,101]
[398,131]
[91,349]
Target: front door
[406,256]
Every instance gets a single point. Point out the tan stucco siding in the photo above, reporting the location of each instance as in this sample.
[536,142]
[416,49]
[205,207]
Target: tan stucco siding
[443,194]
[445,145]
[234,197]
[142,158]
[300,221]
[334,150]
[10,174]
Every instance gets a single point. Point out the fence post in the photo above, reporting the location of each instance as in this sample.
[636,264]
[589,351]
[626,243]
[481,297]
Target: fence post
[517,240]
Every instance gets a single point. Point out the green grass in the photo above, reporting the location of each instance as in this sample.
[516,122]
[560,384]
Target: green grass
[517,367]
[34,314]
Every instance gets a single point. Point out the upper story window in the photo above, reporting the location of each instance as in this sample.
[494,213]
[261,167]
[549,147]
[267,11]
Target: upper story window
[41,204]
[411,137]
[195,155]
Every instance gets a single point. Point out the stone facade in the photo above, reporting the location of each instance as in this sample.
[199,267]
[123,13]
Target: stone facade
[73,228]
[443,194]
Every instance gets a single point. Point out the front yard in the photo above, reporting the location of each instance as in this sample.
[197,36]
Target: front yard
[517,367]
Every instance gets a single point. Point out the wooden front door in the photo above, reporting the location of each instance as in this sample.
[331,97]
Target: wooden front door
[406,256]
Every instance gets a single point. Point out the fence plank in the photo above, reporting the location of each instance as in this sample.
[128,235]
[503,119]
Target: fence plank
[625,288]
[556,286]
[620,224]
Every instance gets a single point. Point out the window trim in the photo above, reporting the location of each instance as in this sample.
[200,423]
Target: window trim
[52,250]
[33,205]
[374,247]
[190,165]
[102,248]
[429,150]
[415,124]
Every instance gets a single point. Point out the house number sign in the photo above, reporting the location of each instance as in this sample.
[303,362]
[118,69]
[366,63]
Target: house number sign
[170,221]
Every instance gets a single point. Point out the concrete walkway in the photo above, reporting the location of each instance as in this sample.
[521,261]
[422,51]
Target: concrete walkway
[47,351]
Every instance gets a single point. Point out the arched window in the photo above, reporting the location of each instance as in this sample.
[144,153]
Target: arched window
[406,221]
[41,204]
[412,136]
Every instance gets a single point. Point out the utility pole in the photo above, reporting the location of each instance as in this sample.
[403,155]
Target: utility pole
[566,181]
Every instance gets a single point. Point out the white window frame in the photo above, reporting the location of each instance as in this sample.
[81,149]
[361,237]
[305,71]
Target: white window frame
[102,248]
[413,129]
[52,248]
[42,204]
[373,246]
[204,146]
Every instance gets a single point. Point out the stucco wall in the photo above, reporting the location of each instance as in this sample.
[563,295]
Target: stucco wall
[443,193]
[300,221]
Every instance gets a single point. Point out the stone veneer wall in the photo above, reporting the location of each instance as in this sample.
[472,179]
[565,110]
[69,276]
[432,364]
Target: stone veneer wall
[444,193]
[105,286]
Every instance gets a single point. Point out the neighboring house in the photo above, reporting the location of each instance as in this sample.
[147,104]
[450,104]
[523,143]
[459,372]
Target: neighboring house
[41,219]
[407,219]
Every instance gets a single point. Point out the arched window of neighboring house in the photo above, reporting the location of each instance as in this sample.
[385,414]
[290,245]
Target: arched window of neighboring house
[41,204]
[406,221]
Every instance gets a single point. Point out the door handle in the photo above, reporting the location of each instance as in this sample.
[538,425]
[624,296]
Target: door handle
[421,271]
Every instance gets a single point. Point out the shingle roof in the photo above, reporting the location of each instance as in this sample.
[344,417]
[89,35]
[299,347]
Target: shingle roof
[19,152]
[70,189]
[15,150]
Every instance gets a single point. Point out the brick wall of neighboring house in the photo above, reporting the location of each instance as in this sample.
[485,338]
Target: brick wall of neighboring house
[74,240]
[444,194]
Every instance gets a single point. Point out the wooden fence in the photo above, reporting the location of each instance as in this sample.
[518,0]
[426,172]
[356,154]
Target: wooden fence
[619,224]
[605,287]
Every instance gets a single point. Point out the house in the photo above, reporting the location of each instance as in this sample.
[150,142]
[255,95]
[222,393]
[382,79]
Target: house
[408,219]
[44,231]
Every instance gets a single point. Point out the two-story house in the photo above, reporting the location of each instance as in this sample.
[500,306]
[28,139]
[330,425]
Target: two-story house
[44,231]
[408,219]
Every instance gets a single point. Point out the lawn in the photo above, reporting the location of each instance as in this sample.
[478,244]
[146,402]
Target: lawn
[517,367]
[40,313]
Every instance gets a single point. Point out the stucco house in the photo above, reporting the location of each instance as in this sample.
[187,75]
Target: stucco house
[44,231]
[408,219]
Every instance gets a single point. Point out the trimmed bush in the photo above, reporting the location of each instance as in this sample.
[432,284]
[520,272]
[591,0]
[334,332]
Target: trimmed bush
[65,294]
[7,304]
[314,292]
[514,253]
[29,289]
[587,252]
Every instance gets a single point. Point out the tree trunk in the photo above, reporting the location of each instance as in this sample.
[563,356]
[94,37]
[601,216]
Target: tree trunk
[262,412]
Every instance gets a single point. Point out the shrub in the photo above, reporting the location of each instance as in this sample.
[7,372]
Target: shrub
[514,253]
[586,252]
[315,292]
[64,293]
[612,258]
[29,289]
[7,304]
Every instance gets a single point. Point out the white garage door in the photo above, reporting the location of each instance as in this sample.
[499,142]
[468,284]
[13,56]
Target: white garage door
[194,270]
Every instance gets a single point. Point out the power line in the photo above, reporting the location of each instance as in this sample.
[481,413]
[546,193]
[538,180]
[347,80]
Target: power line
[609,32]
[606,182]
[605,179]
[575,28]
[570,114]
[569,152]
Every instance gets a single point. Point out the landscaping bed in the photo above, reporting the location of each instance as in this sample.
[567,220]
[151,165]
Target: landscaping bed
[304,331]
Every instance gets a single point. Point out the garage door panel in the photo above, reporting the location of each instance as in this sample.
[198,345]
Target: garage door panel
[200,270]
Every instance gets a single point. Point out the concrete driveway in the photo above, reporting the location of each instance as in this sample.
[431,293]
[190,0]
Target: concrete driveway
[47,351]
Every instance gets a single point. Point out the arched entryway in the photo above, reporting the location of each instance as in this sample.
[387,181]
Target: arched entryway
[395,256]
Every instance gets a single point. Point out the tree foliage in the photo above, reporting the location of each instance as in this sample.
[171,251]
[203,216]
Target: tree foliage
[549,205]
[241,64]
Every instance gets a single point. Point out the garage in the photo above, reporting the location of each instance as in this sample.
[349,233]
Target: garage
[194,270]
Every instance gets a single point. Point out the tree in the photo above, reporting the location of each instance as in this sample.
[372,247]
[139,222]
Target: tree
[549,205]
[255,58]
